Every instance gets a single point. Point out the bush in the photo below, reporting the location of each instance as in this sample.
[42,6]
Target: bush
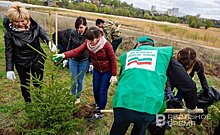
[208,23]
[51,110]
[214,112]
[107,10]
[121,12]
[87,7]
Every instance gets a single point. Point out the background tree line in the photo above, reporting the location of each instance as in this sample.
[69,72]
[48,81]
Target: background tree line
[116,7]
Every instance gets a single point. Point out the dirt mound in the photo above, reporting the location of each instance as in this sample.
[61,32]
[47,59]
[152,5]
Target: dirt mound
[85,111]
[212,69]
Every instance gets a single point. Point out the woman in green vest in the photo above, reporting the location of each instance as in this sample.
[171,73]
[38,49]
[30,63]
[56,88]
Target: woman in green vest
[140,92]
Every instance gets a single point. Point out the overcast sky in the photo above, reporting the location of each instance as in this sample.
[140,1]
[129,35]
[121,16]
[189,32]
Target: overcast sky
[206,8]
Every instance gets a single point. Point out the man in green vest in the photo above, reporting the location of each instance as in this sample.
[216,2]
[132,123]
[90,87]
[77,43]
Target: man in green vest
[140,92]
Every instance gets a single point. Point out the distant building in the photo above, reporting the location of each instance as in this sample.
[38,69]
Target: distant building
[48,2]
[97,2]
[77,0]
[153,8]
[173,11]
[90,1]
[198,15]
[86,0]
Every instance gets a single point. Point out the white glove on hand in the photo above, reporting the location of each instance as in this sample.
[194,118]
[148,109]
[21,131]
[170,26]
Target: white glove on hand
[11,75]
[113,80]
[191,111]
[65,62]
[60,55]
[91,68]
[53,48]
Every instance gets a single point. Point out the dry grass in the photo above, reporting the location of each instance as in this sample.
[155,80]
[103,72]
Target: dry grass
[208,37]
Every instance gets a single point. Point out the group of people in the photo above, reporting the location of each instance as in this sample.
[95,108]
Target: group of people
[145,70]
[78,65]
[103,59]
[23,51]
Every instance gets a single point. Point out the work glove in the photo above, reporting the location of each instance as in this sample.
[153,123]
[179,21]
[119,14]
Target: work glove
[91,68]
[11,75]
[65,62]
[58,57]
[113,80]
[191,111]
[52,47]
[169,93]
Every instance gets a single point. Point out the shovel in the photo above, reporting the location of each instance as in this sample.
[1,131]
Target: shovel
[166,111]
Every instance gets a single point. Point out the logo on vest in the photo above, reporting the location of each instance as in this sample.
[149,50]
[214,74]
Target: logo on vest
[144,59]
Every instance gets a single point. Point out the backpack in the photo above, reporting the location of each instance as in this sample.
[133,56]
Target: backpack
[205,99]
[111,30]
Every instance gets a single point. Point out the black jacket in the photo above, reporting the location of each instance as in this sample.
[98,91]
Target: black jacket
[63,39]
[198,67]
[182,81]
[75,41]
[17,49]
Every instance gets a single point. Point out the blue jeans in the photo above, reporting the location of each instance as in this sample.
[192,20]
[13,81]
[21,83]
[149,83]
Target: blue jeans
[78,71]
[100,87]
[179,95]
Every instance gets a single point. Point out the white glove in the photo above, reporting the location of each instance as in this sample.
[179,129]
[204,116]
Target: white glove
[53,48]
[59,55]
[65,62]
[113,80]
[11,75]
[91,68]
[191,111]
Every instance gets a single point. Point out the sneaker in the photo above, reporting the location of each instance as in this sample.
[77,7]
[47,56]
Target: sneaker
[77,101]
[97,116]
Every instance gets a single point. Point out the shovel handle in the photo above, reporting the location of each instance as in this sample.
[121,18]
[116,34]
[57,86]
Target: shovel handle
[166,111]
[182,111]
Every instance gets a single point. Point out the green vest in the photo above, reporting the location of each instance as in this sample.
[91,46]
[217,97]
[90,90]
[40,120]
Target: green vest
[142,81]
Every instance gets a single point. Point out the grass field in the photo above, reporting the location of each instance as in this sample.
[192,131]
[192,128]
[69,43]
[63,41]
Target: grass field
[11,99]
[208,37]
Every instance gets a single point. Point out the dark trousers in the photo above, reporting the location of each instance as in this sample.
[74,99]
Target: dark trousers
[101,82]
[156,130]
[124,117]
[24,74]
[116,43]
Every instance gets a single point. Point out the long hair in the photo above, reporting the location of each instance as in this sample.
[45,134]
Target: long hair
[187,57]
